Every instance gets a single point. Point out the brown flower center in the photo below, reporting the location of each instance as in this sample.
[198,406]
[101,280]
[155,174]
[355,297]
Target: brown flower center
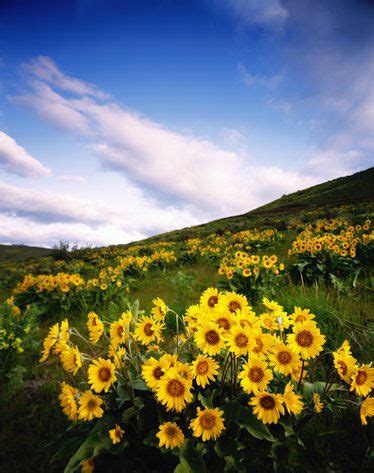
[120,330]
[304,338]
[157,372]
[207,420]
[343,367]
[148,330]
[223,323]
[256,374]
[91,404]
[259,346]
[241,340]
[361,377]
[267,402]
[175,388]
[234,306]
[284,357]
[212,301]
[171,431]
[202,367]
[104,374]
[212,337]
[300,318]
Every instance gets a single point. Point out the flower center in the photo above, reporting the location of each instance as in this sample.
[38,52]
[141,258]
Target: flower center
[120,330]
[284,357]
[343,367]
[202,367]
[148,330]
[212,301]
[104,374]
[259,346]
[91,405]
[212,337]
[304,338]
[256,374]
[300,318]
[223,323]
[171,432]
[241,340]
[157,372]
[175,388]
[361,378]
[207,420]
[267,402]
[234,306]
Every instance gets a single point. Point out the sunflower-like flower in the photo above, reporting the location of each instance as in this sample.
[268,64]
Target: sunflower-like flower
[101,375]
[345,364]
[63,337]
[240,340]
[174,391]
[268,321]
[209,338]
[208,424]
[95,327]
[118,329]
[184,370]
[49,341]
[68,399]
[209,299]
[117,354]
[292,400]
[300,315]
[148,330]
[170,435]
[224,320]
[318,405]
[232,302]
[284,359]
[159,310]
[267,407]
[247,318]
[71,359]
[204,370]
[90,406]
[263,342]
[255,375]
[306,339]
[116,434]
[153,370]
[366,410]
[363,380]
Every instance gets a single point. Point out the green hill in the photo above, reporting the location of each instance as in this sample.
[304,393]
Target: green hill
[22,252]
[356,191]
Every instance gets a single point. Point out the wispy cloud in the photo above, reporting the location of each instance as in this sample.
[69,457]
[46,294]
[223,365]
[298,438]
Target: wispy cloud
[257,12]
[15,159]
[268,82]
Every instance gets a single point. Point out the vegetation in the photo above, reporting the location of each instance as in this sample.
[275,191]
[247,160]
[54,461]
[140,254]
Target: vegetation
[291,272]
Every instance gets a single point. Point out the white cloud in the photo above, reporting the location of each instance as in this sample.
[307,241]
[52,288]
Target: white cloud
[46,70]
[257,12]
[181,168]
[16,160]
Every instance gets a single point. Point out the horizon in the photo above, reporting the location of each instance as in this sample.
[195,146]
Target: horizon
[123,120]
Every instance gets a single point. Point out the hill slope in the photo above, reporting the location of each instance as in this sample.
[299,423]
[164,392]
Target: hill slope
[357,190]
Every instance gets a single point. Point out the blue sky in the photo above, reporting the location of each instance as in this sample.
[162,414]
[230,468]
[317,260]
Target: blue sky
[122,119]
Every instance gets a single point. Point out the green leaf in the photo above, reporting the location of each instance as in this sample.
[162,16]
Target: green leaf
[242,416]
[91,447]
[191,458]
[140,385]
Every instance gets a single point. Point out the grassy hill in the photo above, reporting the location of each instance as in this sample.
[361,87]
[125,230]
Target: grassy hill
[355,190]
[22,252]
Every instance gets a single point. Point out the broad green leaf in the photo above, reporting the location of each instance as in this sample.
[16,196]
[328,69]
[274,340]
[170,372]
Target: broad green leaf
[91,447]
[191,458]
[242,416]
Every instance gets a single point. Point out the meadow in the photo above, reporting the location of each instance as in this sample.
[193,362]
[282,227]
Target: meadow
[237,347]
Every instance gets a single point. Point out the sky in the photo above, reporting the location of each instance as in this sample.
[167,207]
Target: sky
[121,119]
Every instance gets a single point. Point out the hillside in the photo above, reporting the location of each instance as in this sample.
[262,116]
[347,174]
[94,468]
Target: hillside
[356,190]
[22,252]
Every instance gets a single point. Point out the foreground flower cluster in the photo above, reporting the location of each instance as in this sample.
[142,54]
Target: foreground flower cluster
[199,371]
